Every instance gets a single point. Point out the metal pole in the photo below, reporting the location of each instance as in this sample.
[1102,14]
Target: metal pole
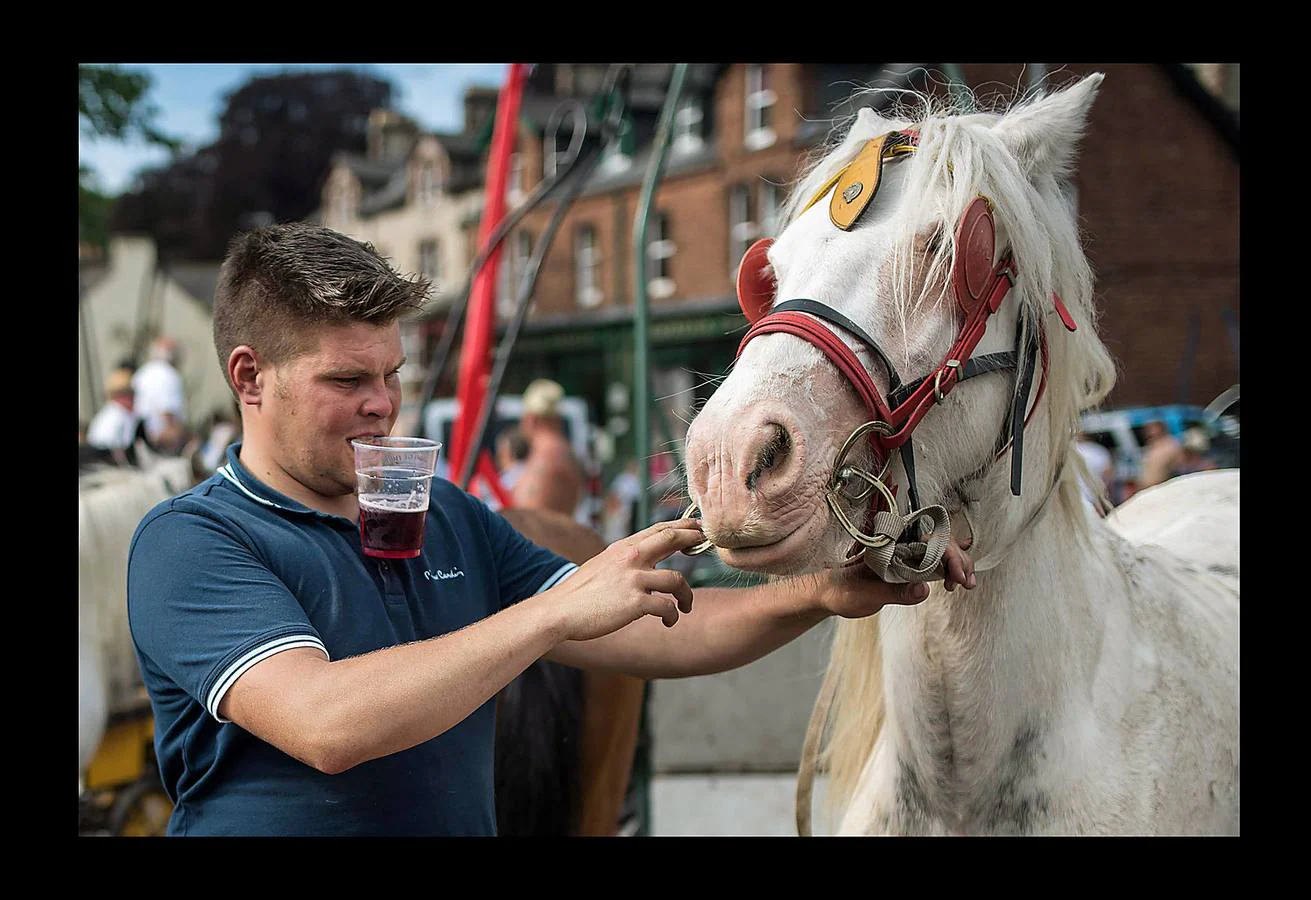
[641,364]
[1037,74]
[957,85]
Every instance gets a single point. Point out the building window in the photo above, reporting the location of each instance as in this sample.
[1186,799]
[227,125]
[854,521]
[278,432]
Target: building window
[742,230]
[343,207]
[429,262]
[759,109]
[514,185]
[429,185]
[659,254]
[768,206]
[514,263]
[587,265]
[687,126]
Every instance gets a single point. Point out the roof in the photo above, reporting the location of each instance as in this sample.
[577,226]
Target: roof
[199,279]
[1223,118]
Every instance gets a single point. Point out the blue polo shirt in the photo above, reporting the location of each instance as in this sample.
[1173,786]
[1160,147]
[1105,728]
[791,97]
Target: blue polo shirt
[232,572]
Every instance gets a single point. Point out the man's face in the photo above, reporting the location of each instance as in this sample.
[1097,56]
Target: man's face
[317,403]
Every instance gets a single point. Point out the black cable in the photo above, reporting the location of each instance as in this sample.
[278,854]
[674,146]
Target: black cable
[521,312]
[616,84]
[455,317]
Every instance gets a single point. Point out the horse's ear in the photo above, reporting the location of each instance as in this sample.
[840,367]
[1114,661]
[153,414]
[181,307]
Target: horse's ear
[1044,135]
[868,118]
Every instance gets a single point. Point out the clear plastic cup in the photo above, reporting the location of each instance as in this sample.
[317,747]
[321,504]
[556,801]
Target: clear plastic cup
[393,480]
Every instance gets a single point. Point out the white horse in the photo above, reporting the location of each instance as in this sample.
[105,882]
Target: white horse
[111,502]
[1089,683]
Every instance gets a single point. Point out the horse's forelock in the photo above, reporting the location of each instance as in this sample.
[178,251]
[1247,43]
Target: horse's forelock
[961,156]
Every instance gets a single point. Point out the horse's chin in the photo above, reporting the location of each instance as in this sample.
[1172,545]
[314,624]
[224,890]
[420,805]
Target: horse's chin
[796,552]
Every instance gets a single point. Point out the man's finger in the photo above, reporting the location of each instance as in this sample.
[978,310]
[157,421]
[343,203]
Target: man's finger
[664,607]
[671,581]
[959,567]
[663,526]
[665,543]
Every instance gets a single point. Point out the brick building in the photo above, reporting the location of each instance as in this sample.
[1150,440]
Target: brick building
[1156,185]
[1157,190]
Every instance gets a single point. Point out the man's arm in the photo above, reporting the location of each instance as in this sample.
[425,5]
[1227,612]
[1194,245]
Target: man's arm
[335,715]
[731,627]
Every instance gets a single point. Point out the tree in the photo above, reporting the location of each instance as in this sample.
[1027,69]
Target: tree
[277,136]
[111,105]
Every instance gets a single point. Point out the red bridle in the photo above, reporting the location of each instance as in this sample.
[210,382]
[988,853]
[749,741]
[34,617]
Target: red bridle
[980,286]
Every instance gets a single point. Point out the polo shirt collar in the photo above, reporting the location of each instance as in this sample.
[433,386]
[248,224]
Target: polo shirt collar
[242,480]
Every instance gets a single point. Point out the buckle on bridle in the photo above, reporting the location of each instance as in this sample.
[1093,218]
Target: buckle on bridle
[937,379]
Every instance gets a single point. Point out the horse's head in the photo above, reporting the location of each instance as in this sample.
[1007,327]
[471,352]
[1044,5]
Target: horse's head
[911,272]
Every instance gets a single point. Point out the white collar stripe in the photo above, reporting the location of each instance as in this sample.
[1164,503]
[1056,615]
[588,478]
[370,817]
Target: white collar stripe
[558,576]
[226,472]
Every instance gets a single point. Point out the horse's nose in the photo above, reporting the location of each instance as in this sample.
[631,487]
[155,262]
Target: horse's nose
[770,455]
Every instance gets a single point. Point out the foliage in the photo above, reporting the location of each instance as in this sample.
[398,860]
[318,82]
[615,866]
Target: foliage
[277,136]
[112,105]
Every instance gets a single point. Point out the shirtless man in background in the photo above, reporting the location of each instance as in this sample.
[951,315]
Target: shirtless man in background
[551,477]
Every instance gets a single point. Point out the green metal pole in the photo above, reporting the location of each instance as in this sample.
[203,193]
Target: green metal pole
[957,85]
[641,364]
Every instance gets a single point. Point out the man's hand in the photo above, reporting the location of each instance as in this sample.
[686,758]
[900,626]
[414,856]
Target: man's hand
[621,584]
[854,592]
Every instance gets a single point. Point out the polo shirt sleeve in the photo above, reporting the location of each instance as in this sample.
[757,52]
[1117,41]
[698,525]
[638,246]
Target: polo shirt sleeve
[203,608]
[522,567]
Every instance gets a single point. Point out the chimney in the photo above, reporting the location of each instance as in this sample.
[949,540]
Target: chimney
[479,107]
[391,135]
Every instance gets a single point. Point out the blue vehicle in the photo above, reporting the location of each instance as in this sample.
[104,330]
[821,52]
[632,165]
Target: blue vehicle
[1121,432]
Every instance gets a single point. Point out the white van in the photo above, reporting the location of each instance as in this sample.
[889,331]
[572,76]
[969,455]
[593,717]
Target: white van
[439,417]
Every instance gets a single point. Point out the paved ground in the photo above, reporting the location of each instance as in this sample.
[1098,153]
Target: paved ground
[729,805]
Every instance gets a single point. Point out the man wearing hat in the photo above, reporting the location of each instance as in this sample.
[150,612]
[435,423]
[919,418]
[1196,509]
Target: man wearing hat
[114,427]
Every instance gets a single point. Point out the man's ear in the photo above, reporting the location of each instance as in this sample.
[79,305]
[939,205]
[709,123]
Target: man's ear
[246,375]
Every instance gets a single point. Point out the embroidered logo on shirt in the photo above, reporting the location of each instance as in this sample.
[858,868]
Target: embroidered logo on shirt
[439,575]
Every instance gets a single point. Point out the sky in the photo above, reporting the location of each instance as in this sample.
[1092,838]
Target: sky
[190,97]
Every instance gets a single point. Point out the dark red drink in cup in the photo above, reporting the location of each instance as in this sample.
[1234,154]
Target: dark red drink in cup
[393,477]
[390,533]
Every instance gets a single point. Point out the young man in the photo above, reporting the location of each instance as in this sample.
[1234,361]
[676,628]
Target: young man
[301,688]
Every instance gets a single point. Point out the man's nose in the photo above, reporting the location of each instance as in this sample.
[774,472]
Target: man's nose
[379,401]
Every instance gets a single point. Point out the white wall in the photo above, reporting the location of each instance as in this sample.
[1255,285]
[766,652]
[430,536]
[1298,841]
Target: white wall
[112,307]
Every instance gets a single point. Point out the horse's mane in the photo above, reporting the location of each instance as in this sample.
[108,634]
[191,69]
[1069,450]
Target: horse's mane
[960,156]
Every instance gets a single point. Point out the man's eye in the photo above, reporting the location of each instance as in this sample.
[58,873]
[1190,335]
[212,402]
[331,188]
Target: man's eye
[347,382]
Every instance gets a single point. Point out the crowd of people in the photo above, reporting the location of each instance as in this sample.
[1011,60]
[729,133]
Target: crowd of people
[1164,456]
[145,411]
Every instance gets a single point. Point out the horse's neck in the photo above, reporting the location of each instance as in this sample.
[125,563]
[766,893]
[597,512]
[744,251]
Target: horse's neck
[980,683]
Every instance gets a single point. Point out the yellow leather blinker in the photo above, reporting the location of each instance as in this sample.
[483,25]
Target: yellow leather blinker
[857,184]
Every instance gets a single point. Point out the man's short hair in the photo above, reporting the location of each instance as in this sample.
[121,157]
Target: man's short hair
[279,285]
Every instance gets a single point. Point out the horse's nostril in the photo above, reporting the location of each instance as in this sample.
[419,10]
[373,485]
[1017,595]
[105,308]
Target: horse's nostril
[774,451]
